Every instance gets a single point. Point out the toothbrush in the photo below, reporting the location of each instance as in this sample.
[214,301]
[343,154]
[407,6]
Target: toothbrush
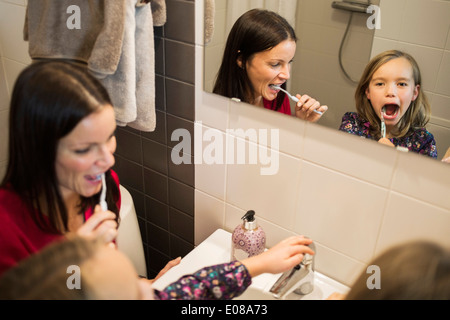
[103,203]
[293,98]
[383,125]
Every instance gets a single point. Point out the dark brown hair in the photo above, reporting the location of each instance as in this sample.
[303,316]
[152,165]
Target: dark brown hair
[49,99]
[255,31]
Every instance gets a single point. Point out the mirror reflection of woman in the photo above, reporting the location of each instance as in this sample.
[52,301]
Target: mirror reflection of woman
[258,54]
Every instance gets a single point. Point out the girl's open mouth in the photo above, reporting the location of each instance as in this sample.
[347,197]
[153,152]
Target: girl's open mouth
[390,111]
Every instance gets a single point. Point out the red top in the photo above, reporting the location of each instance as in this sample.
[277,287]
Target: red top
[19,234]
[285,107]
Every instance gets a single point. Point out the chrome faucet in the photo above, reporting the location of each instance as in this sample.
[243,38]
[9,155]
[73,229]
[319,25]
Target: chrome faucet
[299,279]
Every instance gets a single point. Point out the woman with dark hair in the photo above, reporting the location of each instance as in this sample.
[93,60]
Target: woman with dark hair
[258,54]
[61,142]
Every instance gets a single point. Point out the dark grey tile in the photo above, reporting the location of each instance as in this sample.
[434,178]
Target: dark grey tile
[157,213]
[180,61]
[129,145]
[155,262]
[183,142]
[160,93]
[158,31]
[181,225]
[155,156]
[179,247]
[177,26]
[181,197]
[159,55]
[180,99]
[185,171]
[130,173]
[159,135]
[158,238]
[156,185]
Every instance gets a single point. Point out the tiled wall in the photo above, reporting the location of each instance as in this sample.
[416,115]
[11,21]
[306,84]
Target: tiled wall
[352,196]
[163,193]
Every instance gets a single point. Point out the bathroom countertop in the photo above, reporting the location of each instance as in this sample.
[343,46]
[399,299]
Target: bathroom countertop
[214,250]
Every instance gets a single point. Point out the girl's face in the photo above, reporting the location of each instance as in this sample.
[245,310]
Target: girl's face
[270,67]
[85,153]
[392,87]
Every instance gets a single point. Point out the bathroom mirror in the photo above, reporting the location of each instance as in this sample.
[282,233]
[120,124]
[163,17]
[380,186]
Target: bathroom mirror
[420,27]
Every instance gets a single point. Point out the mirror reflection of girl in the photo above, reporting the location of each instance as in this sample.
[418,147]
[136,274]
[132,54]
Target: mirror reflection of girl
[391,85]
[259,53]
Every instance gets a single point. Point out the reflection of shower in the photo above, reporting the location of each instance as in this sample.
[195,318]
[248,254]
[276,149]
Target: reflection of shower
[352,7]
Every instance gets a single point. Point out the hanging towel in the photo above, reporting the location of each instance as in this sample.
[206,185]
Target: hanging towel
[115,41]
[98,41]
[209,20]
[158,11]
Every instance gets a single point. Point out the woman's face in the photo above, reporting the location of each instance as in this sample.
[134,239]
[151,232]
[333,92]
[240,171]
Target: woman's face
[392,87]
[85,153]
[270,67]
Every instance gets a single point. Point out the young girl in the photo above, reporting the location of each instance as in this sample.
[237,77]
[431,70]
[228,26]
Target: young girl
[391,107]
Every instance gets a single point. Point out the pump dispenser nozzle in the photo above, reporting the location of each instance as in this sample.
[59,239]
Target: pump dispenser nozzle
[249,220]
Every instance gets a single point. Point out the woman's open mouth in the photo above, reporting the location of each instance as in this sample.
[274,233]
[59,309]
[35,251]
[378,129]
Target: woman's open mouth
[390,111]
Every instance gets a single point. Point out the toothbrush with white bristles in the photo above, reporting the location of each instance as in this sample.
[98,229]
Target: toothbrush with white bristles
[293,98]
[383,125]
[103,203]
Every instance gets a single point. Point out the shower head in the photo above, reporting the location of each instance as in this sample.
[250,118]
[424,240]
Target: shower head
[352,6]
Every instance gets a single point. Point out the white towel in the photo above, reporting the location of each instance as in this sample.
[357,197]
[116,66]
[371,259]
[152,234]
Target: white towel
[132,86]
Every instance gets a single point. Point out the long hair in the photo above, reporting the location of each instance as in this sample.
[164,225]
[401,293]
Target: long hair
[49,99]
[416,270]
[418,113]
[255,31]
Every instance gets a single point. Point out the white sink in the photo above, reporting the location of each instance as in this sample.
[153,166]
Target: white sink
[216,250]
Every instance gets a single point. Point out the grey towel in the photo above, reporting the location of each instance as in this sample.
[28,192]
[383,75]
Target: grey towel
[98,42]
[159,12]
[115,40]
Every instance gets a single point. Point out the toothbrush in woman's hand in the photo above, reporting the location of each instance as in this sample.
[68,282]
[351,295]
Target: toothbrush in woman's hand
[293,98]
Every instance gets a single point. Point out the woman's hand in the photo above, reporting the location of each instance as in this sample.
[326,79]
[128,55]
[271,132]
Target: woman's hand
[101,224]
[305,107]
[169,265]
[386,141]
[283,256]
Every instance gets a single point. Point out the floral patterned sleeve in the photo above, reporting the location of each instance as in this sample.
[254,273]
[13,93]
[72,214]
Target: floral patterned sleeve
[219,282]
[352,123]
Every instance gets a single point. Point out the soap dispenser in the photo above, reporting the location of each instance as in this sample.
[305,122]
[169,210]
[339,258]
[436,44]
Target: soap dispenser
[248,238]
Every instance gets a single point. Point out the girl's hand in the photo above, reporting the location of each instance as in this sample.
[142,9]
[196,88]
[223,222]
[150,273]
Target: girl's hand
[282,257]
[386,141]
[100,225]
[305,108]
